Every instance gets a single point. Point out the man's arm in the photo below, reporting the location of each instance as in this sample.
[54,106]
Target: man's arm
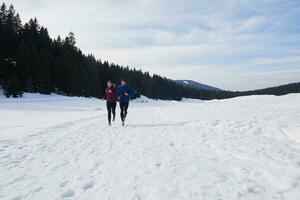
[118,93]
[130,91]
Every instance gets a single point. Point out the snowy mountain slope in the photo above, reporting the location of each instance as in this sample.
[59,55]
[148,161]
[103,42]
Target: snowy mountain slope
[194,84]
[54,147]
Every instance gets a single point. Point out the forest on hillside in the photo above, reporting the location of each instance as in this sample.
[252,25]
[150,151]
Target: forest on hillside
[31,61]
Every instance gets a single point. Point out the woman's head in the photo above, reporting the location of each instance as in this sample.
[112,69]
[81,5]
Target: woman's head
[109,83]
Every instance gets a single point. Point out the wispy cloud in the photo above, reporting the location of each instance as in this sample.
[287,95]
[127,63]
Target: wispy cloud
[218,42]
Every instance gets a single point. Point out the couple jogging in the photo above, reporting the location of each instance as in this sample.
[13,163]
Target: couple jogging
[112,95]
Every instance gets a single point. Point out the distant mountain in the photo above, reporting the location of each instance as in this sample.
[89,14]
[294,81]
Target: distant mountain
[196,85]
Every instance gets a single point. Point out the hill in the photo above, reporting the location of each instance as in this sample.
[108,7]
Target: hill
[197,85]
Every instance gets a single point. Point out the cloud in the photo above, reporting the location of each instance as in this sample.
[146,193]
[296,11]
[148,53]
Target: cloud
[270,61]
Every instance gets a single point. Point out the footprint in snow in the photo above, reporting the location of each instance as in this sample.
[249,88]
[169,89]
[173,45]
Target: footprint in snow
[88,185]
[68,193]
[32,135]
[256,189]
[137,197]
[17,198]
[296,182]
[158,165]
[63,184]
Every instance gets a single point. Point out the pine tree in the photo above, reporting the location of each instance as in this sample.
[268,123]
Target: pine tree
[32,68]
[13,20]
[3,12]
[11,28]
[3,19]
[43,74]
[13,87]
[22,60]
[70,39]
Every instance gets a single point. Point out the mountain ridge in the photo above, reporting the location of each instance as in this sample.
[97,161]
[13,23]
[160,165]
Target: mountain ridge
[197,85]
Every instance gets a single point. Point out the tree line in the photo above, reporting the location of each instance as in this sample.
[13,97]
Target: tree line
[31,61]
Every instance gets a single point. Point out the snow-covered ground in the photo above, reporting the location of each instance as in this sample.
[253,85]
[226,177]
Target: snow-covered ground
[55,147]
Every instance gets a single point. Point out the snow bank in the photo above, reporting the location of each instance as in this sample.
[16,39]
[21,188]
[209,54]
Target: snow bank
[1,93]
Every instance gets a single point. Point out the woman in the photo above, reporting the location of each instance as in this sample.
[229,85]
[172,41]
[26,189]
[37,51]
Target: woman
[111,98]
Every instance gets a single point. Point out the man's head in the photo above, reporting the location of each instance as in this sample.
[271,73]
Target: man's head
[123,82]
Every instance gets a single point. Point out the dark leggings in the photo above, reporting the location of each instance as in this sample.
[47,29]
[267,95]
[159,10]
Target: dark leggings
[111,108]
[124,107]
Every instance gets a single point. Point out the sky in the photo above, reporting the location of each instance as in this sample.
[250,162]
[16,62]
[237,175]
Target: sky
[230,44]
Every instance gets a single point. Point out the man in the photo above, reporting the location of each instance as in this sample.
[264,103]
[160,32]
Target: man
[124,93]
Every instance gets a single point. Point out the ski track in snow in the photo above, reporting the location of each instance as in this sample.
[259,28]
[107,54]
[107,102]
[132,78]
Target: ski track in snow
[242,148]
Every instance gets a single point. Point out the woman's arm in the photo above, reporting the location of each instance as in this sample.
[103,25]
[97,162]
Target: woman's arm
[115,93]
[105,93]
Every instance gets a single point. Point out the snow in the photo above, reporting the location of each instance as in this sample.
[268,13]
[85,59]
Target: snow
[56,147]
[1,93]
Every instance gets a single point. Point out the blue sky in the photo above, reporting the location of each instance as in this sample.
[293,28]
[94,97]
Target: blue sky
[231,44]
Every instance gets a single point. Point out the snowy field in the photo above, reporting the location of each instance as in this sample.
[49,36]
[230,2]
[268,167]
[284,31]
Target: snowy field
[55,147]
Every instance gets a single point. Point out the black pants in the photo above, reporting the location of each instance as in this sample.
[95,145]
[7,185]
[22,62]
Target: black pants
[124,107]
[111,108]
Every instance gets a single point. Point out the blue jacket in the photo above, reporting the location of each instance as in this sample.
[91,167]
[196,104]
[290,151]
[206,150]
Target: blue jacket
[121,93]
